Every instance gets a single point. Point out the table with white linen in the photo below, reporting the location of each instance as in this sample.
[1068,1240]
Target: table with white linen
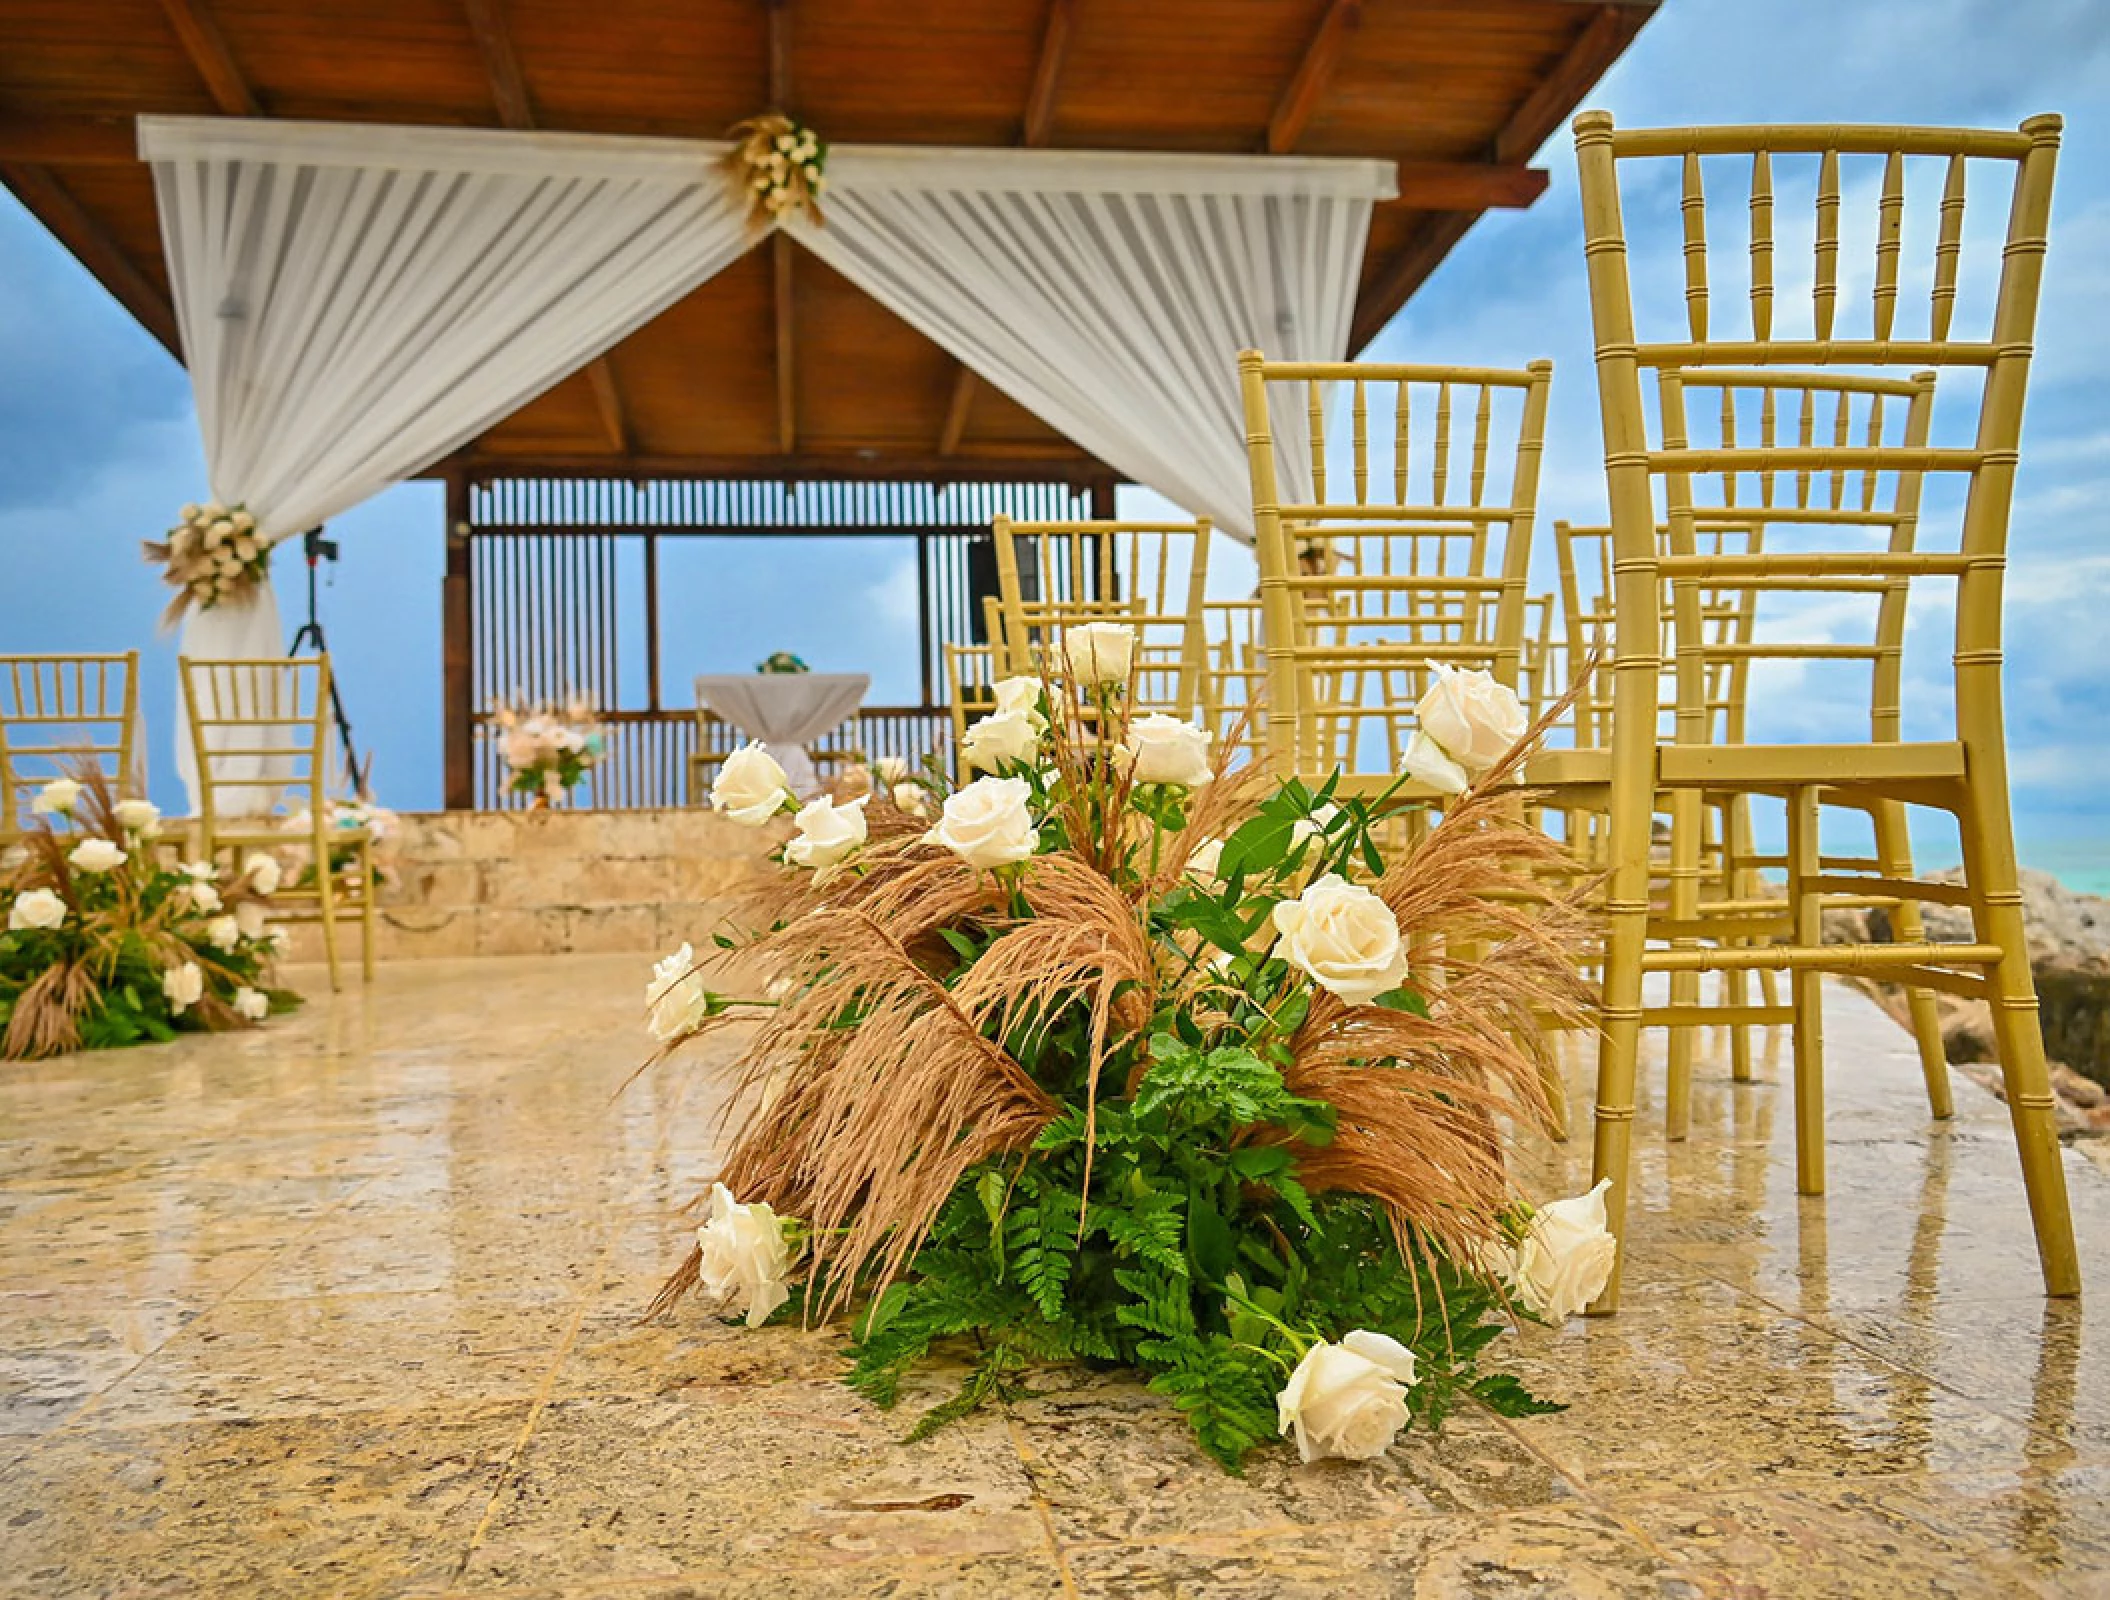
[785,710]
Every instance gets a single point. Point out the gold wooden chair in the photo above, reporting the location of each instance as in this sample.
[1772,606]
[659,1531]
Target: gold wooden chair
[1235,675]
[57,712]
[970,693]
[277,712]
[1965,776]
[1150,576]
[1360,592]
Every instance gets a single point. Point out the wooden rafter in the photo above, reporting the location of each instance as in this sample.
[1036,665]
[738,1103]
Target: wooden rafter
[199,33]
[494,43]
[1597,44]
[1300,96]
[1018,464]
[956,412]
[1467,185]
[781,272]
[51,204]
[608,400]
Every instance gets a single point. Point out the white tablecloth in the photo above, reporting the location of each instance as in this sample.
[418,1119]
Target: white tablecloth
[784,710]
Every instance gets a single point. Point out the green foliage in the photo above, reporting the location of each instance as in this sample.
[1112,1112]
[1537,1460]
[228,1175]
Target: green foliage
[1227,1391]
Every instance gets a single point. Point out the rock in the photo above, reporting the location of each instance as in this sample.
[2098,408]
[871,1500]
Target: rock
[2061,923]
[2077,1090]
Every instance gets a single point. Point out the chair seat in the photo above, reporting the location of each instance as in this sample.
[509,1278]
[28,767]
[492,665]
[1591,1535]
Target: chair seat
[1761,768]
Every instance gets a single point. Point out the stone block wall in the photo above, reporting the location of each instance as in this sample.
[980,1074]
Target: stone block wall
[501,883]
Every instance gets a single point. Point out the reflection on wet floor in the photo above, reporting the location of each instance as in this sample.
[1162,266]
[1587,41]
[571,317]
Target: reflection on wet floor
[348,1307]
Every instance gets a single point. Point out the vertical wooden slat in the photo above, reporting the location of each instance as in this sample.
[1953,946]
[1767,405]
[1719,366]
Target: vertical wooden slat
[1948,249]
[1694,206]
[1483,424]
[1826,290]
[1443,443]
[1890,240]
[1316,421]
[1400,443]
[1361,421]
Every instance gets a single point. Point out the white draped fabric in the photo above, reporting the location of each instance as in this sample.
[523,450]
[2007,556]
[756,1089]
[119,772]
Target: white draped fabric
[1109,294]
[357,301]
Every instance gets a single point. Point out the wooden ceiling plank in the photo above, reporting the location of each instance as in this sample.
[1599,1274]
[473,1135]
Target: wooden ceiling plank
[1467,185]
[1597,44]
[494,44]
[199,33]
[787,395]
[51,204]
[956,411]
[1054,54]
[69,141]
[1301,95]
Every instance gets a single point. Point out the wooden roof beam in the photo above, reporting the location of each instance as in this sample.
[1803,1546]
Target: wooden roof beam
[1301,95]
[1467,185]
[787,393]
[69,141]
[49,202]
[956,411]
[608,400]
[1054,55]
[494,44]
[199,33]
[1597,44]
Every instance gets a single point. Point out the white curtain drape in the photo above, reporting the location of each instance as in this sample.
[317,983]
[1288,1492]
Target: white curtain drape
[356,302]
[1109,293]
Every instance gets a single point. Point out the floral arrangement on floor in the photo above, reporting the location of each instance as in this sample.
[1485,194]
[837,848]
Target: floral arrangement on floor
[1130,1060]
[106,945]
[781,661]
[213,554]
[548,749]
[780,166]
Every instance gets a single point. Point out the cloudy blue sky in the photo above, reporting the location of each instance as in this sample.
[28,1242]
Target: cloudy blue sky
[97,443]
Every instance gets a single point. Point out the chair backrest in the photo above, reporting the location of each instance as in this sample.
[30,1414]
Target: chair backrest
[1869,473]
[1423,557]
[1150,576]
[260,734]
[1234,683]
[970,676]
[58,713]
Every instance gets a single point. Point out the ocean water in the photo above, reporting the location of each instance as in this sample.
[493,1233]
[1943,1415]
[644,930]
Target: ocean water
[2082,864]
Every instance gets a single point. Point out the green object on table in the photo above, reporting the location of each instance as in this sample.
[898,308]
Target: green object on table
[782,661]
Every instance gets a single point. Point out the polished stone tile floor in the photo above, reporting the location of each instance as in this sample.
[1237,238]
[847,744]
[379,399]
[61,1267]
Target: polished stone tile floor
[348,1307]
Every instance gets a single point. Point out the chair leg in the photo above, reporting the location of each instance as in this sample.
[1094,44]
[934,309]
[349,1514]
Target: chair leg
[1894,850]
[366,910]
[1742,883]
[1619,1044]
[1996,915]
[1688,814]
[1806,989]
[326,904]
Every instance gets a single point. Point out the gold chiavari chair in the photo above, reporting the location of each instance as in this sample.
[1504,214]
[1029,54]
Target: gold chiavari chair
[1150,576]
[1235,676]
[1964,776]
[1360,592]
[57,712]
[970,692]
[276,715]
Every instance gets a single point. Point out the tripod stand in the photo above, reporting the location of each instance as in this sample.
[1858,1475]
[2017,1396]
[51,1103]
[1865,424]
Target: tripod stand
[318,549]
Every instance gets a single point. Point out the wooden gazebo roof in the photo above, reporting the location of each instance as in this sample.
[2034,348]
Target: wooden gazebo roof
[778,366]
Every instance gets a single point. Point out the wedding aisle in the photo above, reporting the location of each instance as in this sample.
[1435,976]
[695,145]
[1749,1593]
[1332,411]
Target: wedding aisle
[348,1307]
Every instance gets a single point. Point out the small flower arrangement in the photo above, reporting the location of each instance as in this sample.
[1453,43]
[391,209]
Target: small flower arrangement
[780,166]
[781,661]
[213,554]
[347,821]
[548,749]
[105,945]
[1125,1058]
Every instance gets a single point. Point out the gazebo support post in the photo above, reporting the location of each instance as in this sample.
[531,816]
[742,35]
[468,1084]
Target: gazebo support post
[457,659]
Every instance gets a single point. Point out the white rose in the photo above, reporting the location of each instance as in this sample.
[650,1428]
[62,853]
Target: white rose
[1020,694]
[827,832]
[987,824]
[249,917]
[1312,826]
[253,1004]
[1347,1399]
[1565,1257]
[677,998]
[223,933]
[57,798]
[199,871]
[96,855]
[1163,749]
[138,816]
[1206,859]
[190,511]
[1474,718]
[263,872]
[745,1255]
[1001,739]
[203,897]
[910,799]
[750,787]
[890,769]
[1345,937]
[35,908]
[1427,763]
[243,522]
[184,986]
[1099,652]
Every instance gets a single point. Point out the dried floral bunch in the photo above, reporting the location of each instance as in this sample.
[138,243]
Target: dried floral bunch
[107,945]
[548,749]
[214,553]
[780,166]
[1128,1058]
